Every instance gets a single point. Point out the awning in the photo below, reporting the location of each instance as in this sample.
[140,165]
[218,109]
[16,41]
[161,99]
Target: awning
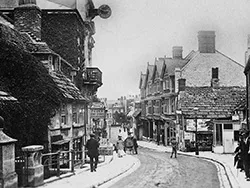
[166,118]
[60,142]
[137,113]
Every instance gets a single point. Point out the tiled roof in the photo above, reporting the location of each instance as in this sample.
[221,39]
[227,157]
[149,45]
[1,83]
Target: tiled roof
[69,90]
[211,102]
[6,97]
[171,64]
[35,47]
[150,69]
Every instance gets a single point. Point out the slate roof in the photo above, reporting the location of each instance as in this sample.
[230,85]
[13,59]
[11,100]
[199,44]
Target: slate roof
[211,102]
[171,64]
[69,90]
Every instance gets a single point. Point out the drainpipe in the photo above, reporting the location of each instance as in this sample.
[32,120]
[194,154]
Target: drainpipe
[247,75]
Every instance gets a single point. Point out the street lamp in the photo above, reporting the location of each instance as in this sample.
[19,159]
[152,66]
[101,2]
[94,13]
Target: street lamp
[196,140]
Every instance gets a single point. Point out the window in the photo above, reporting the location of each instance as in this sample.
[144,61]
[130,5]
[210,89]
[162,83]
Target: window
[63,114]
[218,136]
[215,72]
[74,114]
[228,126]
[172,105]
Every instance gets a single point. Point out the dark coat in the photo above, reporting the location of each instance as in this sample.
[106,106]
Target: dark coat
[92,146]
[135,142]
[245,147]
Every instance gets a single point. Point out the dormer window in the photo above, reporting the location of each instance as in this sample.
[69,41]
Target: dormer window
[215,73]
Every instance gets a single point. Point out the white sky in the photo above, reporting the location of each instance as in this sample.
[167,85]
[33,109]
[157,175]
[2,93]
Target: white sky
[140,30]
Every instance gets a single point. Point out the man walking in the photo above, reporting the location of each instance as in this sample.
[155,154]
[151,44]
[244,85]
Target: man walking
[174,147]
[246,154]
[92,146]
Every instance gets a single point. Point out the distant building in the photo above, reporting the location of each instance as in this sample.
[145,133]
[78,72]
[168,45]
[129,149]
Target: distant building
[163,81]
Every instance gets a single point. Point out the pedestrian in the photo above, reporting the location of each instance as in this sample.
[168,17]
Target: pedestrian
[158,138]
[163,139]
[238,162]
[120,147]
[92,146]
[135,144]
[174,145]
[246,154]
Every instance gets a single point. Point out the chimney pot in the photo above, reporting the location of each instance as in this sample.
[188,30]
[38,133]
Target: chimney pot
[177,52]
[206,40]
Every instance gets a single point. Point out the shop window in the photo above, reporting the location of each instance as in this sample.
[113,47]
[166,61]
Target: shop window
[228,126]
[218,135]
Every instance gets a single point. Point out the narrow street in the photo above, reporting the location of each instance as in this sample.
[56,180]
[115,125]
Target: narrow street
[159,170]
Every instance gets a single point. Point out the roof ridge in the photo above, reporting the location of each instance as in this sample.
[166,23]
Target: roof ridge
[229,58]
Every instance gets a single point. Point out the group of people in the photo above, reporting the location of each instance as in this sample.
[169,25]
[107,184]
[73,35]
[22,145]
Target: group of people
[242,154]
[122,146]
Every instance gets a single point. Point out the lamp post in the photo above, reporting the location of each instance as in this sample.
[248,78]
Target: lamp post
[196,126]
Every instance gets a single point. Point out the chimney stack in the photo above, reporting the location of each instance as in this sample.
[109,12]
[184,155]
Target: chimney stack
[27,18]
[206,40]
[177,52]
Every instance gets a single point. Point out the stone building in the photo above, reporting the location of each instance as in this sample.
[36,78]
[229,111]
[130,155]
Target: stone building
[160,85]
[60,36]
[66,130]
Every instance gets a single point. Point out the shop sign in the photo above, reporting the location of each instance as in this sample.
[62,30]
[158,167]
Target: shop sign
[235,117]
[201,124]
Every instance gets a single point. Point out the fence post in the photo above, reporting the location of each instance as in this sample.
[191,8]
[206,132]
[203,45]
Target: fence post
[58,163]
[8,176]
[35,170]
[72,160]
